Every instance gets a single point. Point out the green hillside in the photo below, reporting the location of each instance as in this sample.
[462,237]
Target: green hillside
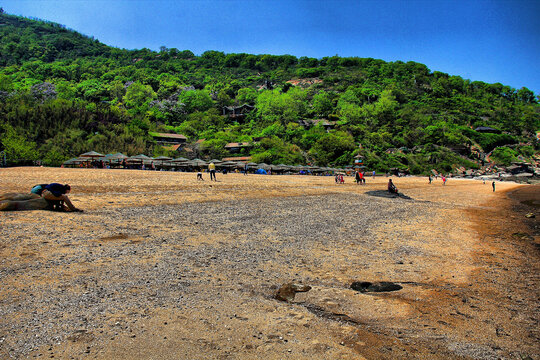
[62,94]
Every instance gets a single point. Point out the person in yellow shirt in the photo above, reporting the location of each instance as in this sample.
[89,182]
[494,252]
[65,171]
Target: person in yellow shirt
[212,170]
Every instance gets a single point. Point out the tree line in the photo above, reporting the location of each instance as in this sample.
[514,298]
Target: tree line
[63,93]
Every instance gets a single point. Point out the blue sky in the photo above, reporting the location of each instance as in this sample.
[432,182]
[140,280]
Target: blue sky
[491,41]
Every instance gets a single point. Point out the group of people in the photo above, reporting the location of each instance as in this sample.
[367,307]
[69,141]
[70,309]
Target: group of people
[51,196]
[443,178]
[339,179]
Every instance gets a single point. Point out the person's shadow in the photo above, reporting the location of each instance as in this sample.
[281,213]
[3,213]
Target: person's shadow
[387,194]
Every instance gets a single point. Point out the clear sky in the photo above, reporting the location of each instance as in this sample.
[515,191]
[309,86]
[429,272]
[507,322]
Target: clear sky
[491,41]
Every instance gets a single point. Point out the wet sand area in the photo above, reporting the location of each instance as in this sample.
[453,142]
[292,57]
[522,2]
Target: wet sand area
[162,266]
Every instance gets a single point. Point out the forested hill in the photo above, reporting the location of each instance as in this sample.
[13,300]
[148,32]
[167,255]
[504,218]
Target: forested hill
[62,94]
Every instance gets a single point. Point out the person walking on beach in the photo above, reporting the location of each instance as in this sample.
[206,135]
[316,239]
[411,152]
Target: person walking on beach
[429,178]
[212,169]
[443,180]
[493,185]
[245,168]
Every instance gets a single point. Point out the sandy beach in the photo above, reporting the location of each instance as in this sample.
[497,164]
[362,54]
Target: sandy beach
[162,266]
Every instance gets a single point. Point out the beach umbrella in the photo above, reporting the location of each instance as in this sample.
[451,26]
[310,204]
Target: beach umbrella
[162,159]
[182,163]
[180,160]
[117,156]
[228,164]
[252,164]
[74,161]
[264,166]
[140,157]
[215,161]
[92,155]
[198,162]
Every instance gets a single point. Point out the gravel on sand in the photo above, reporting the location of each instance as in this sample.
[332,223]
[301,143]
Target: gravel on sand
[160,266]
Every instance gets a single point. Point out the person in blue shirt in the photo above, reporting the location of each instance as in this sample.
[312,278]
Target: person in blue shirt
[58,192]
[38,189]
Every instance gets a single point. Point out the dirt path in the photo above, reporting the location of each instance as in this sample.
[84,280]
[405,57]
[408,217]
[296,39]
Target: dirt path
[161,266]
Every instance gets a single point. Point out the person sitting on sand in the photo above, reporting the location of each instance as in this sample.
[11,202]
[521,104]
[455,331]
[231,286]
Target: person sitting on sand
[30,201]
[358,177]
[58,193]
[391,187]
[199,176]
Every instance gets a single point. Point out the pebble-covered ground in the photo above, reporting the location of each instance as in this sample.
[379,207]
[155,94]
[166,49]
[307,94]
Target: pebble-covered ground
[162,266]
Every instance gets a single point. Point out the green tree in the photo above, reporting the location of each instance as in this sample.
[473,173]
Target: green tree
[138,95]
[16,146]
[196,100]
[322,104]
[333,146]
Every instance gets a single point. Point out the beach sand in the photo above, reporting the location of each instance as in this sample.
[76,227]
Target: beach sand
[162,266]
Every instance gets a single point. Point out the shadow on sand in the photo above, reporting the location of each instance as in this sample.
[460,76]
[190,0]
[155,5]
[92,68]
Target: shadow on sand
[386,194]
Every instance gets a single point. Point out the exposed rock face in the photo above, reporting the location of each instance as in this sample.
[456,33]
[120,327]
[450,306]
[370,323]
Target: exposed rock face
[18,196]
[287,291]
[15,201]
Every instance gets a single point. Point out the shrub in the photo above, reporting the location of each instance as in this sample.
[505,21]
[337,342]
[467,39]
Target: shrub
[503,156]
